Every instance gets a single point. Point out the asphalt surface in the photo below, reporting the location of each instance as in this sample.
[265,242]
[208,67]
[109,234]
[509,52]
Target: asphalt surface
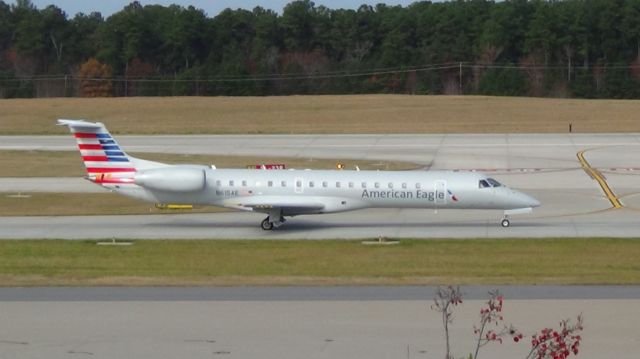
[300,293]
[545,166]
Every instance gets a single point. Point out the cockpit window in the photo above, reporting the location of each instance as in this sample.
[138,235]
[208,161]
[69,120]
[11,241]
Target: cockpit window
[494,183]
[483,184]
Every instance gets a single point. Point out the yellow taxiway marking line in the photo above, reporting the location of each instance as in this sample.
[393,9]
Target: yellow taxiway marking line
[600,179]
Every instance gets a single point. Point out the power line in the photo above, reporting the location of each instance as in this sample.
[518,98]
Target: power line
[317,75]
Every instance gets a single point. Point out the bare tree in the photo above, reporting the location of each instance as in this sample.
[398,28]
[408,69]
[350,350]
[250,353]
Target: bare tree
[446,298]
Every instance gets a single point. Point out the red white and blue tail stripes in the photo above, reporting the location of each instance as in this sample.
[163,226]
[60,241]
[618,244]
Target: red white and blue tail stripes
[105,161]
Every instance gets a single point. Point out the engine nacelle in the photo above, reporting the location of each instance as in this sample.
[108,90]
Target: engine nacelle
[172,179]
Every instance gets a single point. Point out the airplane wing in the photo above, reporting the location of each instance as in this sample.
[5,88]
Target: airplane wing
[287,209]
[288,206]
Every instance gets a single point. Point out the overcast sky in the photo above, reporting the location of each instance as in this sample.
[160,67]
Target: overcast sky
[211,7]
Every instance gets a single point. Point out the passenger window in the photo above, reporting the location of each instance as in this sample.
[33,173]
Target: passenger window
[364,184]
[244,183]
[230,183]
[270,183]
[311,184]
[337,184]
[218,183]
[324,184]
[376,185]
[390,185]
[483,184]
[350,184]
[283,183]
[404,185]
[298,184]
[418,185]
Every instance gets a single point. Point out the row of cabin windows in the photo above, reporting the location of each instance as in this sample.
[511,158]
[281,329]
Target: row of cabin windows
[324,184]
[489,182]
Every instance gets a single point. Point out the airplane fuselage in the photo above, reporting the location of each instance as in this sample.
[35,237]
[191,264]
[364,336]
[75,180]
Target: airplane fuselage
[337,191]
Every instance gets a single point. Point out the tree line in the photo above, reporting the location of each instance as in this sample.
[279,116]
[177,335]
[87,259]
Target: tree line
[572,48]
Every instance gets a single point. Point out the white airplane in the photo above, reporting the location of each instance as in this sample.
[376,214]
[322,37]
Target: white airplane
[287,193]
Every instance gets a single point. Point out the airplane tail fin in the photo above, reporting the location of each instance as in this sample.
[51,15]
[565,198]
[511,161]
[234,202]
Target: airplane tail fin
[104,159]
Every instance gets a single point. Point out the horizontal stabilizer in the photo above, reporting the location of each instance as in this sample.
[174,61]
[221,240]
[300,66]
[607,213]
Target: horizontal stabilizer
[79,124]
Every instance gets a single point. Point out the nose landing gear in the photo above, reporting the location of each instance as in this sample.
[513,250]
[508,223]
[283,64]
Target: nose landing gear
[505,222]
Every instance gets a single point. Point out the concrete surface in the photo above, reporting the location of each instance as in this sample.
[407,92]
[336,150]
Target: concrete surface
[309,327]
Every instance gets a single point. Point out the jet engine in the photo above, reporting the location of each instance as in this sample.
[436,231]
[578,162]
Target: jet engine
[172,179]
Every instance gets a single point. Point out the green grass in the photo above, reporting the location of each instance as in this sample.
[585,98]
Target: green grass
[267,262]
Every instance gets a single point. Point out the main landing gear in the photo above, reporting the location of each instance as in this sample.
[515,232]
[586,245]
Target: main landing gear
[268,225]
[505,222]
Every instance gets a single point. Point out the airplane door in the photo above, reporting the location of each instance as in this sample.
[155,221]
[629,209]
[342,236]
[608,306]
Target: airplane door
[441,192]
[298,185]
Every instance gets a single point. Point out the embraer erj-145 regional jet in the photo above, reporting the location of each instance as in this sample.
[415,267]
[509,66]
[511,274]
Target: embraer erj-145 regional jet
[287,193]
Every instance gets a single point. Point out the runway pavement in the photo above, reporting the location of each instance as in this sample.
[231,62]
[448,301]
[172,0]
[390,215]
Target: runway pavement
[545,166]
[289,322]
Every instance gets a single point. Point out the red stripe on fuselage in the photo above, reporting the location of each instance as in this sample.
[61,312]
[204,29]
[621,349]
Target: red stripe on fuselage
[108,170]
[114,180]
[89,147]
[96,158]
[85,135]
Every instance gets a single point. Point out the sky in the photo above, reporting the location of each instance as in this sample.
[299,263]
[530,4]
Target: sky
[211,7]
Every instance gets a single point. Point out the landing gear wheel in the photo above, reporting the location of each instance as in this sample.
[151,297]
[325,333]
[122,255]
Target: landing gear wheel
[266,225]
[505,223]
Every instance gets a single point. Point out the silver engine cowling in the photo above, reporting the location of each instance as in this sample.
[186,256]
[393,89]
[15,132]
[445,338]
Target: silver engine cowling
[172,179]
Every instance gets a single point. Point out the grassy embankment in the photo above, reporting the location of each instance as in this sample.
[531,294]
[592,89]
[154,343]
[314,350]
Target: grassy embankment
[264,262]
[324,114]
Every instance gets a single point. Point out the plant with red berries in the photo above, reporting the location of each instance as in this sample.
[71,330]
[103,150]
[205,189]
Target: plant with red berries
[557,344]
[492,314]
[547,344]
[445,299]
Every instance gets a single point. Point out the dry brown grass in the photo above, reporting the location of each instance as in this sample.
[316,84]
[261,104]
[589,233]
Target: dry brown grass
[324,114]
[69,164]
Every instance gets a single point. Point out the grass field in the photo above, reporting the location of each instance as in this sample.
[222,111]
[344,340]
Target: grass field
[77,204]
[261,262]
[323,114]
[69,164]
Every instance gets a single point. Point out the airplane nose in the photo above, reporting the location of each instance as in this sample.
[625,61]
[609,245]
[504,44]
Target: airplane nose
[527,201]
